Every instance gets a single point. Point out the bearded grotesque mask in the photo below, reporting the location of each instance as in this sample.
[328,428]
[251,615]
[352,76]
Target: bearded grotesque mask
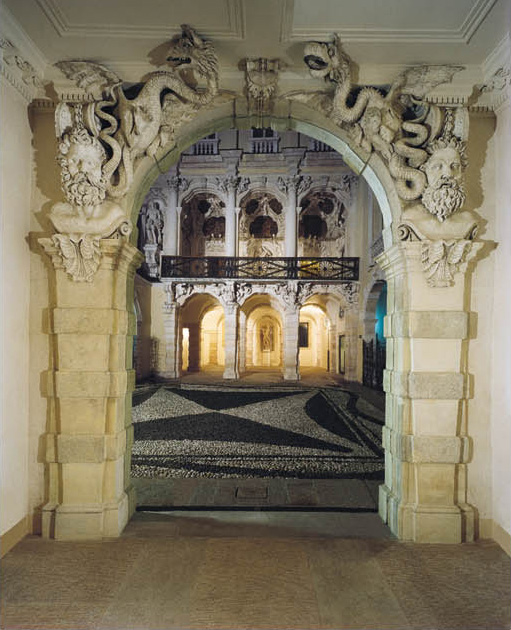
[445,192]
[81,159]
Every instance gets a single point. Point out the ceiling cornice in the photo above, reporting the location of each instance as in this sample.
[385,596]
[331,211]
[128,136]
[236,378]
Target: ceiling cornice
[234,29]
[461,35]
[16,35]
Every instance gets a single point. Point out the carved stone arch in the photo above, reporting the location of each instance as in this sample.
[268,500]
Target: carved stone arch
[424,497]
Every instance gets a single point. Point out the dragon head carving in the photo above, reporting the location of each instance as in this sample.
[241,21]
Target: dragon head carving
[191,54]
[327,60]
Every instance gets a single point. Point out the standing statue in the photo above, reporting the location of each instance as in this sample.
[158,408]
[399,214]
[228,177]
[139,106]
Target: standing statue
[266,337]
[153,224]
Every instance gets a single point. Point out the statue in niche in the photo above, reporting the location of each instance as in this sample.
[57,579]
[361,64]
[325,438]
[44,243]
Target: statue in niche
[266,337]
[153,224]
[264,205]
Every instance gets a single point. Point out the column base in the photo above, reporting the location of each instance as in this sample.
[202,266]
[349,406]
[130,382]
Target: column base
[86,521]
[448,524]
[230,374]
[291,374]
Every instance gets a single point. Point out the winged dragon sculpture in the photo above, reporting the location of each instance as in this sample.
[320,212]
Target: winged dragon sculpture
[396,123]
[133,126]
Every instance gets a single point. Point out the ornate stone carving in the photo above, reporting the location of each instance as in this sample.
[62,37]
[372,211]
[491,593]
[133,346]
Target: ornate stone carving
[299,183]
[80,254]
[350,292]
[261,81]
[441,259]
[130,128]
[293,293]
[87,216]
[376,120]
[178,183]
[19,72]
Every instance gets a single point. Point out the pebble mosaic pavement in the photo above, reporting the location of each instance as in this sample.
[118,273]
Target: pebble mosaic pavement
[226,432]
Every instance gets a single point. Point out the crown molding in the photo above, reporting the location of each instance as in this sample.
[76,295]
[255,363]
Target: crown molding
[461,35]
[16,35]
[500,57]
[234,29]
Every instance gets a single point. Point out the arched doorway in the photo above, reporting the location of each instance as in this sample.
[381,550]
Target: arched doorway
[374,342]
[261,334]
[201,338]
[424,496]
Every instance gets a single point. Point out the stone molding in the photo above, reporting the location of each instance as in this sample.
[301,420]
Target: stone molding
[427,449]
[17,71]
[428,324]
[291,293]
[427,385]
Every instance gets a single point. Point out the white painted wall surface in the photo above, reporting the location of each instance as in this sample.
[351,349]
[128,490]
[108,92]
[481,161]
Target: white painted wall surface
[16,171]
[501,328]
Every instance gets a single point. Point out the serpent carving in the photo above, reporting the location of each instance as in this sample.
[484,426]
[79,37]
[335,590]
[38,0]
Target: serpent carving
[375,119]
[130,127]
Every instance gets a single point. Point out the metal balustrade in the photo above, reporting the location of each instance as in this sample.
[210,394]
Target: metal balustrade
[330,269]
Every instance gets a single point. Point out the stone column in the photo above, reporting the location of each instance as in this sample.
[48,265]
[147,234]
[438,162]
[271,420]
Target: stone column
[230,219]
[291,351]
[231,371]
[290,236]
[352,343]
[172,216]
[172,340]
[194,348]
[242,336]
[424,498]
[88,444]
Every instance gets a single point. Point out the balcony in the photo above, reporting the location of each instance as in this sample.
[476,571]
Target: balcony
[224,267]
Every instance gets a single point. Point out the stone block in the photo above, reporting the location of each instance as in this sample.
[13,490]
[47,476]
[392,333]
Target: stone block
[438,385]
[80,449]
[85,352]
[82,483]
[435,484]
[82,384]
[82,415]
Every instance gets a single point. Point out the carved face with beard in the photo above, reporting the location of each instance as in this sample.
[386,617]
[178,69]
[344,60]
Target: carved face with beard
[445,193]
[81,159]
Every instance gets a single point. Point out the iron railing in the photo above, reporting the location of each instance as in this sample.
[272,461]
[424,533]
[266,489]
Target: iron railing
[331,269]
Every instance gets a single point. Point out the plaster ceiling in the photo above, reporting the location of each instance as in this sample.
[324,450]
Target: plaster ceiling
[124,33]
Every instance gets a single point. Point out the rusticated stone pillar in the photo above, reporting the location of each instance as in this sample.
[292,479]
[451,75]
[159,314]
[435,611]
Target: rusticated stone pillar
[89,437]
[231,370]
[291,350]
[424,498]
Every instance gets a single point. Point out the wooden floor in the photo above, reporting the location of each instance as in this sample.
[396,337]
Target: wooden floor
[255,570]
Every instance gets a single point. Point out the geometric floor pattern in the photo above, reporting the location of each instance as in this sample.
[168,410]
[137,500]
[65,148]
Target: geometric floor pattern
[227,432]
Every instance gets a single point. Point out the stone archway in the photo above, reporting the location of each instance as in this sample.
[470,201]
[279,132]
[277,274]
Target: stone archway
[89,385]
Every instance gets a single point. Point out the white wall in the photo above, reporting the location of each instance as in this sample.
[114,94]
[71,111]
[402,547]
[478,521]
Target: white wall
[15,173]
[501,326]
